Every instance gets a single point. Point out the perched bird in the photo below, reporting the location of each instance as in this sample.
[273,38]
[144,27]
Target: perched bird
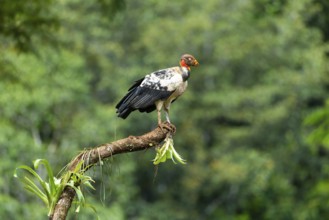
[157,90]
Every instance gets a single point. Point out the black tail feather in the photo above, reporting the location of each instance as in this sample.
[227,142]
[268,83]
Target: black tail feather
[125,113]
[124,106]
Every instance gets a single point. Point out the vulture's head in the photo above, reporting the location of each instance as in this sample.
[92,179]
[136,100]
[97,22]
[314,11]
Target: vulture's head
[188,60]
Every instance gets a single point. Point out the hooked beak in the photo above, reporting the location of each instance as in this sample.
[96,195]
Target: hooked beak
[196,63]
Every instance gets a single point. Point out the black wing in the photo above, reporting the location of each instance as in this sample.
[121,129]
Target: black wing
[155,86]
[133,87]
[141,98]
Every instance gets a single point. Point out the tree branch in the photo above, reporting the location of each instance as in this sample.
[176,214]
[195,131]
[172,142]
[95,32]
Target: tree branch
[93,156]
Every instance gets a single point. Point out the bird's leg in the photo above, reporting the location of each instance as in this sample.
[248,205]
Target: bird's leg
[164,125]
[167,125]
[167,114]
[159,106]
[159,117]
[170,126]
[173,128]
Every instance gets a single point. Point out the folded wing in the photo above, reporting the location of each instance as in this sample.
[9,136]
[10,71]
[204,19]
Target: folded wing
[144,93]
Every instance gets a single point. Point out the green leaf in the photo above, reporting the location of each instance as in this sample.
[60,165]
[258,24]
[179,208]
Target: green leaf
[40,180]
[167,151]
[32,187]
[52,185]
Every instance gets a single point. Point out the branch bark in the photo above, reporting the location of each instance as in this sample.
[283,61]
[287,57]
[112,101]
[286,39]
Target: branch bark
[93,156]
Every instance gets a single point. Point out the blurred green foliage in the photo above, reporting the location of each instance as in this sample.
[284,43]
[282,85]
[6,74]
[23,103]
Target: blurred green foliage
[253,124]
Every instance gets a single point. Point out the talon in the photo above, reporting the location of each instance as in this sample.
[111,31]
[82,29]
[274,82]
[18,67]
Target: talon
[166,125]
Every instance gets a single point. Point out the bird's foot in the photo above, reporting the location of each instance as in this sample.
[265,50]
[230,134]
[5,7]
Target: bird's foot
[168,126]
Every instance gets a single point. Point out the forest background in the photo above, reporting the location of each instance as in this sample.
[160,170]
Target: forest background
[253,124]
